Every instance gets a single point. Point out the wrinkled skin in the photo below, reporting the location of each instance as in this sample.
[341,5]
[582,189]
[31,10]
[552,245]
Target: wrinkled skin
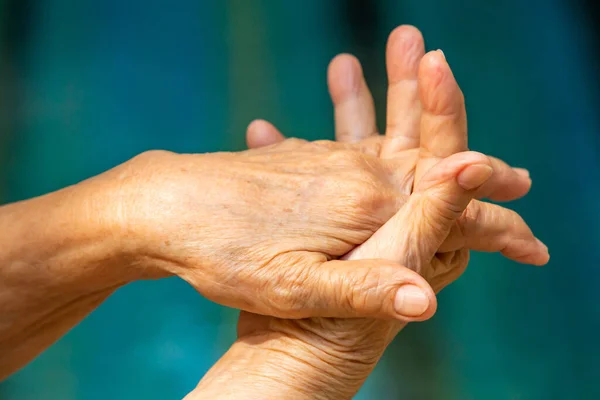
[426,123]
[262,230]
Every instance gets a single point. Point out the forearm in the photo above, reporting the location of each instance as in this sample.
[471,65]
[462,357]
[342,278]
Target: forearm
[59,260]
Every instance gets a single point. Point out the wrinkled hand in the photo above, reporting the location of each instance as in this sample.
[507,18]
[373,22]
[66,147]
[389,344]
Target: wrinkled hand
[298,357]
[426,122]
[261,230]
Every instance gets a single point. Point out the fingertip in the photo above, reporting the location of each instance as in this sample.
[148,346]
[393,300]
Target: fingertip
[405,31]
[405,48]
[528,250]
[438,90]
[543,254]
[262,133]
[413,302]
[473,176]
[523,172]
[473,169]
[433,305]
[542,260]
[517,189]
[538,259]
[454,166]
[406,37]
[344,77]
[508,183]
[434,60]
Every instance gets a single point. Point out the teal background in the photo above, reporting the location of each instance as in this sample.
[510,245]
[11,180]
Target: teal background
[85,85]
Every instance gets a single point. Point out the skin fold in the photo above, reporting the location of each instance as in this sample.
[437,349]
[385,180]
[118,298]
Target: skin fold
[327,247]
[260,230]
[432,233]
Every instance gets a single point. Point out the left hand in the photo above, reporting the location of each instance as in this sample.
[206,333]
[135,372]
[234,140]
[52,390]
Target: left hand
[330,358]
[426,122]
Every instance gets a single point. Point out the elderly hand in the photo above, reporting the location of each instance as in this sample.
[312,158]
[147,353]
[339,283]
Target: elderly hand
[426,121]
[258,230]
[261,230]
[331,358]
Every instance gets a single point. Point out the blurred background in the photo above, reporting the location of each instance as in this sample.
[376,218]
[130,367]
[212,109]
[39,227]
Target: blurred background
[87,84]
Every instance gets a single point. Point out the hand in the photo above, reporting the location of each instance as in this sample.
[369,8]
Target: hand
[425,122]
[261,230]
[326,358]
[354,346]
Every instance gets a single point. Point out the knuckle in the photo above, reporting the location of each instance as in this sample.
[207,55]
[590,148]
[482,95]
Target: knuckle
[347,297]
[364,290]
[150,156]
[325,144]
[294,142]
[438,212]
[447,268]
[353,177]
[470,217]
[363,196]
[292,289]
[345,158]
[286,296]
[367,205]
[371,146]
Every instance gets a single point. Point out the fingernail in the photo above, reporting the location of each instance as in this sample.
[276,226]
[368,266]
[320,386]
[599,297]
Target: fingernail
[474,176]
[522,171]
[541,245]
[442,53]
[411,301]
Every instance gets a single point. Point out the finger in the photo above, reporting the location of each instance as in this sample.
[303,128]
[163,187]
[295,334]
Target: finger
[444,120]
[357,288]
[413,236]
[405,48]
[354,111]
[261,133]
[506,183]
[492,228]
[507,232]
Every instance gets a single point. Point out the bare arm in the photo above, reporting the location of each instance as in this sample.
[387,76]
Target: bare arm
[228,223]
[58,261]
[350,348]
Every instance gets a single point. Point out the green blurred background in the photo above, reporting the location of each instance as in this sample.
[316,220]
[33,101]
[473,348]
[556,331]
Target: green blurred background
[85,85]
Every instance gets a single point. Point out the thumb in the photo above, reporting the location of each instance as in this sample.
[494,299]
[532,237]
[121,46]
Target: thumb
[443,194]
[359,288]
[417,231]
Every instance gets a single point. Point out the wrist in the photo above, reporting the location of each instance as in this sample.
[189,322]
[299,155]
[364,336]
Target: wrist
[67,239]
[278,367]
[126,213]
[255,371]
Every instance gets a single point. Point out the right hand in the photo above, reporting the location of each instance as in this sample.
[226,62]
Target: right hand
[261,230]
[350,348]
